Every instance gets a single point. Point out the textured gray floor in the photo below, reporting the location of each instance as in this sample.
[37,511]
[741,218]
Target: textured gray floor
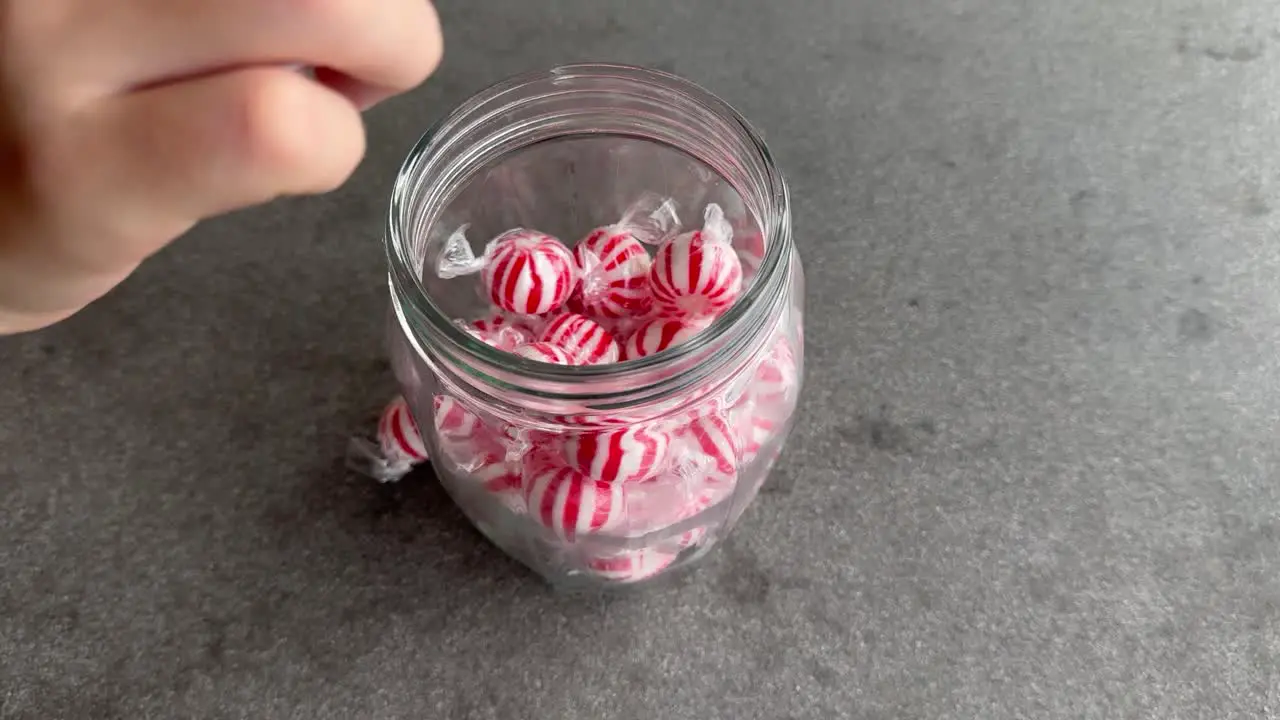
[1036,475]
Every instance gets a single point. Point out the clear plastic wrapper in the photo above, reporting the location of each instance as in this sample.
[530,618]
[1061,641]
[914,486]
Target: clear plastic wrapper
[698,274]
[394,450]
[523,271]
[614,264]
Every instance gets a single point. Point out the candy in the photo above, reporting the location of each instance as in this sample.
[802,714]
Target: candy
[627,454]
[777,377]
[759,431]
[714,491]
[659,334]
[697,273]
[714,439]
[463,435]
[497,475]
[528,272]
[500,331]
[585,341]
[455,422]
[631,566]
[570,503]
[544,352]
[614,270]
[398,435]
[691,538]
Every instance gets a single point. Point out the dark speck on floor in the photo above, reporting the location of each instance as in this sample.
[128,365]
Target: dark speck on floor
[1195,325]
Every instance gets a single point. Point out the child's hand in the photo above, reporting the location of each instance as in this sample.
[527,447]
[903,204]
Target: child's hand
[124,122]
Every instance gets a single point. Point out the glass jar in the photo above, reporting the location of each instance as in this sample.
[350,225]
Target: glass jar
[565,151]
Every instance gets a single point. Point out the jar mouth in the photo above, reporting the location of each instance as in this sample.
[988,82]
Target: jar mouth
[438,161]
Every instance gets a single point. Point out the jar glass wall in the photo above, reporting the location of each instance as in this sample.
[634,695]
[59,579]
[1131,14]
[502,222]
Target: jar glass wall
[564,152]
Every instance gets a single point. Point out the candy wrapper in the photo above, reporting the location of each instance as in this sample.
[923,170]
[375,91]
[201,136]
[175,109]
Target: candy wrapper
[396,448]
[522,271]
[614,265]
[698,274]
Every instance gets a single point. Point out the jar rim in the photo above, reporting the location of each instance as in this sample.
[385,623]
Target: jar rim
[414,305]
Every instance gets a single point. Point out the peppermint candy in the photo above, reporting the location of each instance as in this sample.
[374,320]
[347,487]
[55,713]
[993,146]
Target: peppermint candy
[777,377]
[583,339]
[500,331]
[528,272]
[614,270]
[570,503]
[757,433]
[659,334]
[462,434]
[714,440]
[455,422]
[622,455]
[497,475]
[631,566]
[398,435]
[545,352]
[714,490]
[697,273]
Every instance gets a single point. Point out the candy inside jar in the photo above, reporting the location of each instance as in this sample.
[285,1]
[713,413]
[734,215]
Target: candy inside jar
[600,346]
[607,300]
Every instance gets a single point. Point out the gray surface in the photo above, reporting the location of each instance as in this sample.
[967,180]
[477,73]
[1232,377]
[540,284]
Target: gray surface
[1035,476]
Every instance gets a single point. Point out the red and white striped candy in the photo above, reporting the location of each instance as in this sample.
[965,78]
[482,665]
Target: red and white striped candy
[585,340]
[398,434]
[714,439]
[622,455]
[463,435]
[570,503]
[455,422]
[614,270]
[497,475]
[631,566]
[501,332]
[544,352]
[528,273]
[759,431]
[659,334]
[695,275]
[777,377]
[714,490]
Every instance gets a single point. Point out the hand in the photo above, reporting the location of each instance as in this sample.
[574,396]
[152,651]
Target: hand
[125,122]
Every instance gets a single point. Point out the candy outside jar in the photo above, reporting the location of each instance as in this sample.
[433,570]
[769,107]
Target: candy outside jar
[605,440]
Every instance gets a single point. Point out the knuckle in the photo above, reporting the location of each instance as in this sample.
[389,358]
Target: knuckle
[297,134]
[270,126]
